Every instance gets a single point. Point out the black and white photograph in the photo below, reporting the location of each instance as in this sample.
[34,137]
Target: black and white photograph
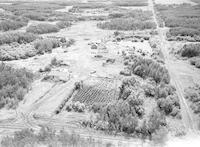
[99,73]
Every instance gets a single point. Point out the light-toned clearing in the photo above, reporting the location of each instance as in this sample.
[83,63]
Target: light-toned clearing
[171,2]
[6,3]
[144,8]
[66,9]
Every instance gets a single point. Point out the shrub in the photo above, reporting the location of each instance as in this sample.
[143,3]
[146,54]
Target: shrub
[42,28]
[46,69]
[46,45]
[15,51]
[130,3]
[48,137]
[76,107]
[150,125]
[146,68]
[164,90]
[91,5]
[68,43]
[126,24]
[183,22]
[7,25]
[63,24]
[184,32]
[169,105]
[123,114]
[35,16]
[119,116]
[136,14]
[190,50]
[54,62]
[195,62]
[14,83]
[19,37]
[167,100]
[193,95]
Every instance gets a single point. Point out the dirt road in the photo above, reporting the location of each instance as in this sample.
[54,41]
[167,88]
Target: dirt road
[172,66]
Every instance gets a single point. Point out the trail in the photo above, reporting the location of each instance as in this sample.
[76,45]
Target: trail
[187,115]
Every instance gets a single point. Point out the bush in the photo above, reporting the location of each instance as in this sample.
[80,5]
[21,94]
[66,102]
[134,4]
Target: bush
[7,25]
[91,5]
[68,43]
[167,100]
[152,124]
[76,107]
[193,95]
[14,83]
[46,45]
[127,24]
[183,22]
[129,3]
[122,115]
[183,32]
[136,14]
[42,28]
[169,105]
[54,62]
[16,51]
[195,62]
[48,137]
[19,37]
[35,16]
[63,24]
[190,50]
[147,68]
[119,116]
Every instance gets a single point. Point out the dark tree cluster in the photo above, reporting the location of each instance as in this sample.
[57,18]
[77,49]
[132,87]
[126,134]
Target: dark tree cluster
[46,45]
[148,68]
[190,50]
[127,114]
[14,83]
[193,95]
[167,100]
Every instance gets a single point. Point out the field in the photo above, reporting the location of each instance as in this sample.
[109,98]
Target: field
[112,71]
[102,92]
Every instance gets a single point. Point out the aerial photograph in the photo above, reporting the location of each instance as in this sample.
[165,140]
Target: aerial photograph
[99,73]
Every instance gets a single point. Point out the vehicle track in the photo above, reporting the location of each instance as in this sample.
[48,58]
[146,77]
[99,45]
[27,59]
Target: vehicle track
[185,110]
